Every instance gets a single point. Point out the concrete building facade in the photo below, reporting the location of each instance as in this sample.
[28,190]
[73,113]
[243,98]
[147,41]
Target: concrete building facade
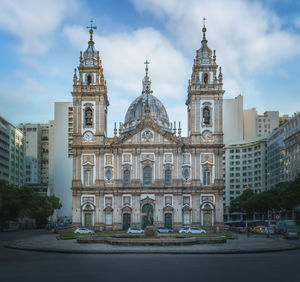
[244,167]
[4,149]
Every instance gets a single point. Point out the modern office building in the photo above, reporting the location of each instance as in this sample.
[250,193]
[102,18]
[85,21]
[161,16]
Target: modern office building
[244,167]
[12,153]
[4,149]
[259,125]
[233,119]
[60,157]
[292,147]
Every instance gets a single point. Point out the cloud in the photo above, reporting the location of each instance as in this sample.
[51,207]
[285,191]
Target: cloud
[34,22]
[247,36]
[123,56]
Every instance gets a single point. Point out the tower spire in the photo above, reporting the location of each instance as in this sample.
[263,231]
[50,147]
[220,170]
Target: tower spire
[204,30]
[91,30]
[146,80]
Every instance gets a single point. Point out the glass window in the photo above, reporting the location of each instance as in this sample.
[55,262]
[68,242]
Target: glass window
[126,177]
[186,218]
[206,177]
[168,177]
[147,175]
[108,219]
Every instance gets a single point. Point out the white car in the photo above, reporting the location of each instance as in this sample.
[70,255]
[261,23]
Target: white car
[84,231]
[195,230]
[183,230]
[135,230]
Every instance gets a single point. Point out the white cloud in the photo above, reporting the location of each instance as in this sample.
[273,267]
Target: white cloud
[34,21]
[123,56]
[247,36]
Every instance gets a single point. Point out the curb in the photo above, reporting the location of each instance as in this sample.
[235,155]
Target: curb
[71,251]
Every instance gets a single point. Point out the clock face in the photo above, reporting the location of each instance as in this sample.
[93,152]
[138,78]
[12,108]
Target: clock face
[88,136]
[206,61]
[207,135]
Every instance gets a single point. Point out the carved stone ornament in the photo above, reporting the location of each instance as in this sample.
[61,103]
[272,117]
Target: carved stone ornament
[207,135]
[147,135]
[186,200]
[88,159]
[186,159]
[108,159]
[88,199]
[207,158]
[127,158]
[168,158]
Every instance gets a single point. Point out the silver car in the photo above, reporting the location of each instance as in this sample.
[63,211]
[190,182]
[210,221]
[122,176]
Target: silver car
[135,230]
[195,230]
[183,230]
[84,231]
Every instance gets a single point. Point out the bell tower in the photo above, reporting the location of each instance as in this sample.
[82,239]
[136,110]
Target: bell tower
[89,97]
[205,96]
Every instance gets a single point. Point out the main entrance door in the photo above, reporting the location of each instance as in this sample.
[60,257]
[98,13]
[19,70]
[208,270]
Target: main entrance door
[147,219]
[126,221]
[168,220]
[207,219]
[87,219]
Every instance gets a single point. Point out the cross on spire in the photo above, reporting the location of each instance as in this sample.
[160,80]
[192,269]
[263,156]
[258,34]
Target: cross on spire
[204,19]
[91,28]
[146,63]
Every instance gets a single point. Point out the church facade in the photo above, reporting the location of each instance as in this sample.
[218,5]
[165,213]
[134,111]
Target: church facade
[147,173]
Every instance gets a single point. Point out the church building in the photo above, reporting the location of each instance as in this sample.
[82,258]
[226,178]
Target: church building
[147,173]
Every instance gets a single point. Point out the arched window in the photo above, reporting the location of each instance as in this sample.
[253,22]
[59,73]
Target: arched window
[88,176]
[126,177]
[206,115]
[205,78]
[89,79]
[206,177]
[88,116]
[168,177]
[147,175]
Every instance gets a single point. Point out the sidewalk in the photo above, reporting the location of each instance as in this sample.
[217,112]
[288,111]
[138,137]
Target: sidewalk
[254,244]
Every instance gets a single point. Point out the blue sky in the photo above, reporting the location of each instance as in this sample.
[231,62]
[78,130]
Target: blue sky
[257,44]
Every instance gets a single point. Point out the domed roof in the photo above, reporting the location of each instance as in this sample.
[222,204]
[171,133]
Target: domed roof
[137,110]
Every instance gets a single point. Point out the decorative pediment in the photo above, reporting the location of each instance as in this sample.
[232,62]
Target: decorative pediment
[126,209]
[168,209]
[186,208]
[145,132]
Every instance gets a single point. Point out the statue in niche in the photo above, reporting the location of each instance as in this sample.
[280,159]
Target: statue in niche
[205,78]
[88,116]
[206,115]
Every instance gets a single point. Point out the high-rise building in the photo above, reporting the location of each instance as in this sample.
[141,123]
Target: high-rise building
[259,125]
[4,149]
[233,119]
[244,167]
[292,147]
[148,173]
[12,153]
[37,155]
[60,157]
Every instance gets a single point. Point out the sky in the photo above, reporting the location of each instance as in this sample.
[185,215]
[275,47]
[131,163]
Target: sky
[257,45]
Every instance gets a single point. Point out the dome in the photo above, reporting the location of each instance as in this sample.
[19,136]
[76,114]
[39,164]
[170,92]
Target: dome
[136,112]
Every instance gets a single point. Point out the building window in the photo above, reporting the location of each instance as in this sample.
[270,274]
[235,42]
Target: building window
[126,177]
[168,177]
[88,177]
[186,219]
[206,177]
[147,175]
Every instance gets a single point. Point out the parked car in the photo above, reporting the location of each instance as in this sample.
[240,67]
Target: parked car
[291,232]
[84,231]
[164,230]
[258,229]
[183,230]
[195,230]
[135,230]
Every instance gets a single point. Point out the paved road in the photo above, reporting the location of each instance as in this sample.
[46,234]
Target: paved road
[25,266]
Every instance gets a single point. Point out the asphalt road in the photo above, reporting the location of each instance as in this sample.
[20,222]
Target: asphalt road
[25,266]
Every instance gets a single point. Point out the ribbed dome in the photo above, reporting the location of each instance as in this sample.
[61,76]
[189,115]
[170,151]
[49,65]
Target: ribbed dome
[90,55]
[136,112]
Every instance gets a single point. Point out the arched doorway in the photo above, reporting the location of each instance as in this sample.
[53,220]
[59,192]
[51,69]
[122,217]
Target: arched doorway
[207,210]
[126,221]
[168,220]
[147,219]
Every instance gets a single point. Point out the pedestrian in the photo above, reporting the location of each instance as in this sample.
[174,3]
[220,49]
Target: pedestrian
[248,231]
